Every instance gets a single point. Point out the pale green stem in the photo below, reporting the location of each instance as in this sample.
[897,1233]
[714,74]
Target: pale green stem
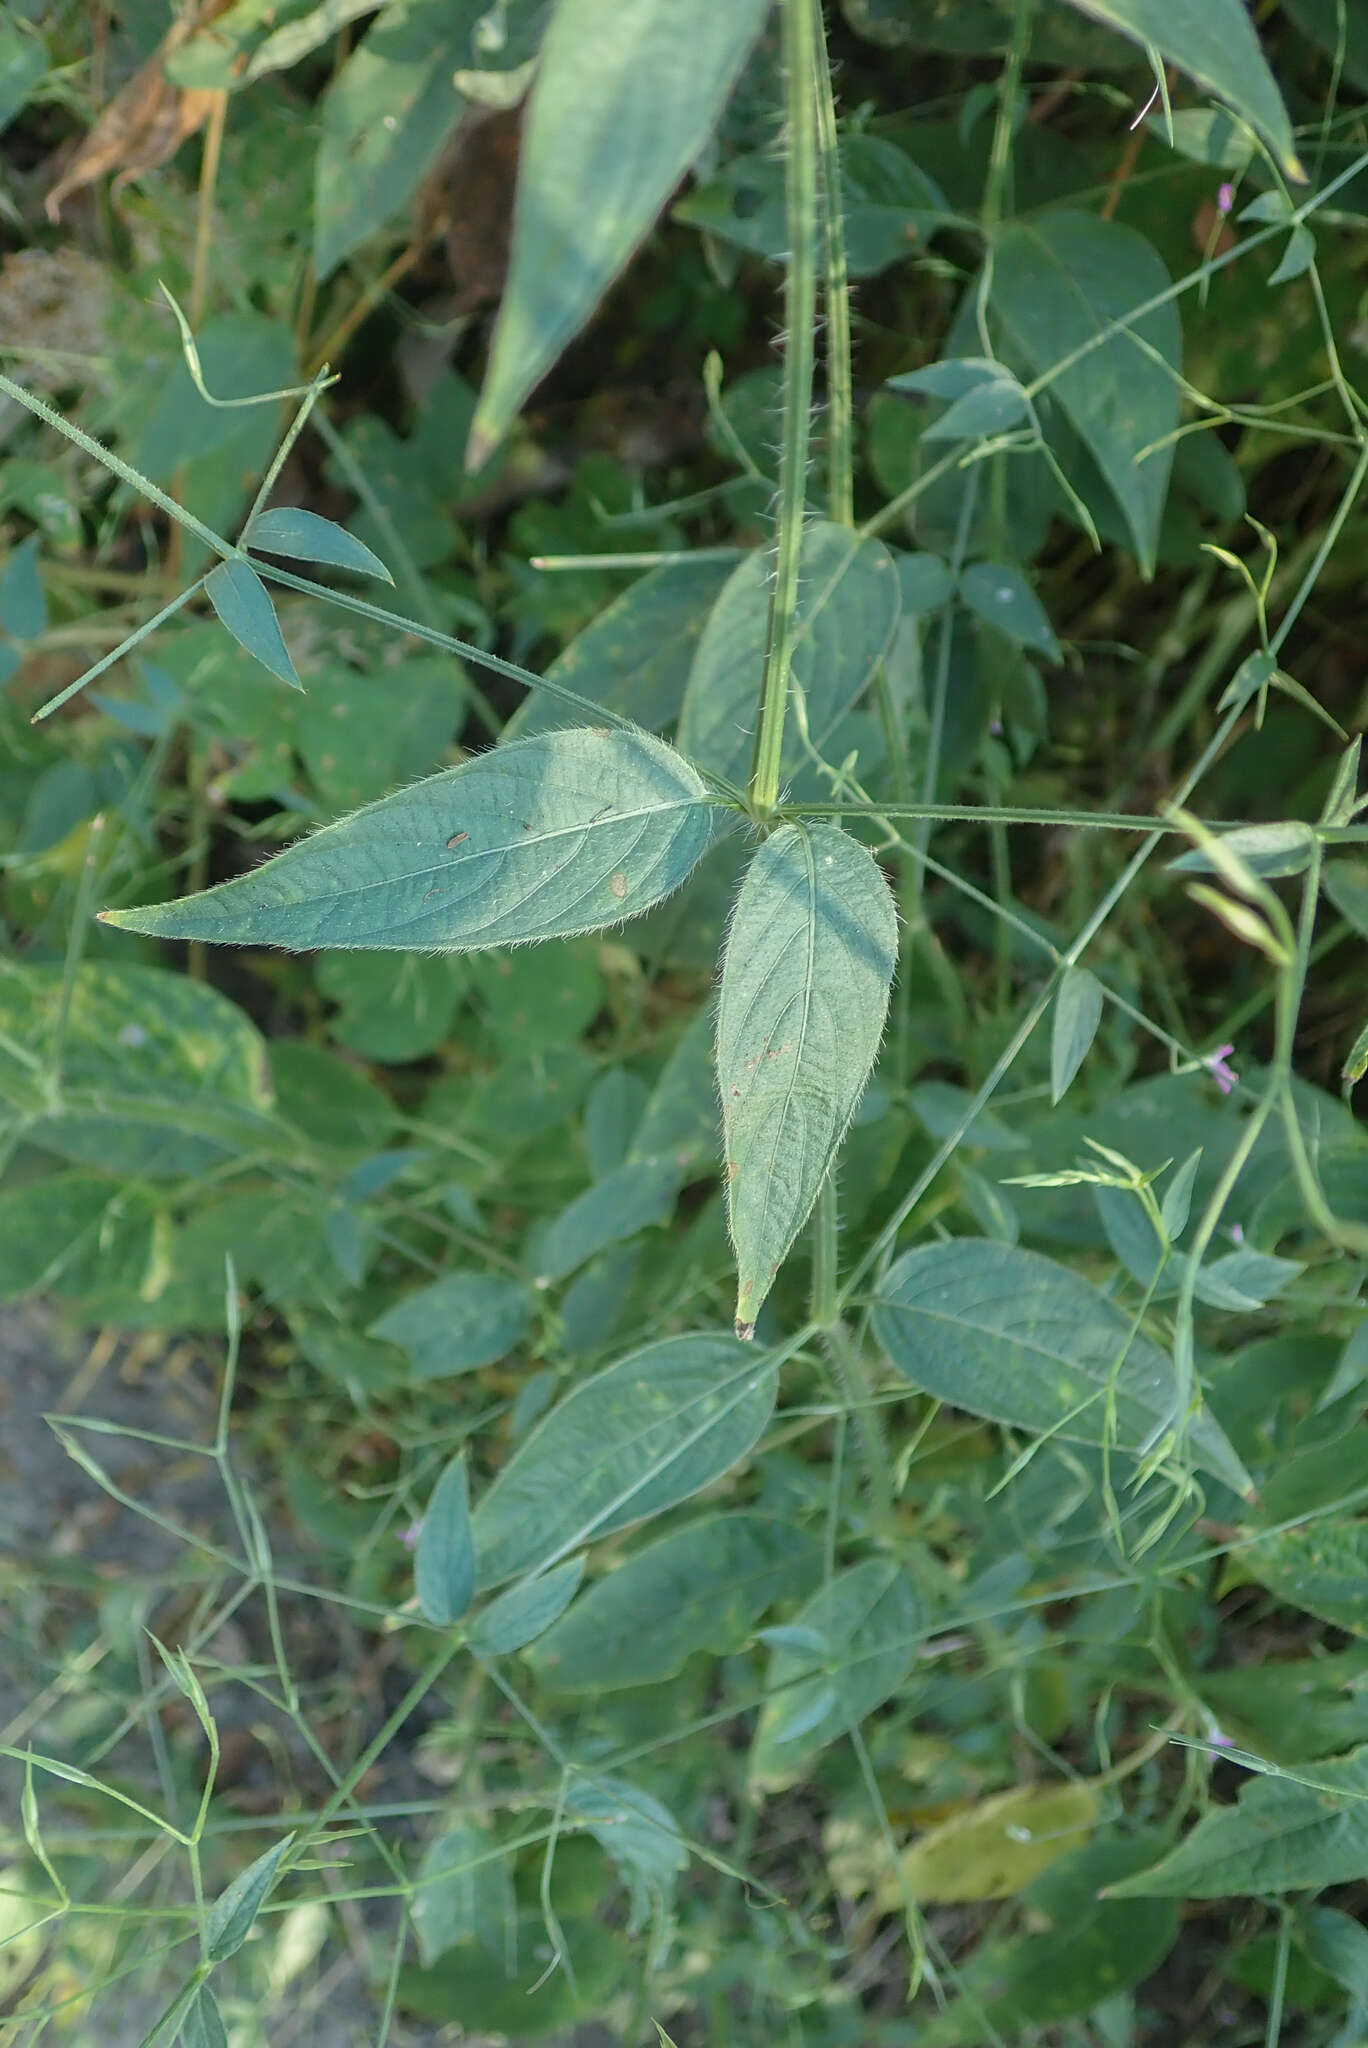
[825,1255]
[800,315]
[836,302]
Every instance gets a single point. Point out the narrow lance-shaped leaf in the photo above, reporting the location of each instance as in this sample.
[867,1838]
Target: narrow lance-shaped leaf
[1077,1014]
[304,537]
[243,603]
[626,95]
[1216,43]
[562,833]
[232,1913]
[805,981]
[444,1563]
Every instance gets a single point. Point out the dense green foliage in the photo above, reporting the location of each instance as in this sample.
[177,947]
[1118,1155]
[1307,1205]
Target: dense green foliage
[719,988]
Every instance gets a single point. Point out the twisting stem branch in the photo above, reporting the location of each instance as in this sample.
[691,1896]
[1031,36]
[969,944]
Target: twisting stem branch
[800,313]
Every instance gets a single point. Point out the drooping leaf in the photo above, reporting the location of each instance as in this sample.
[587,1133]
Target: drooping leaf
[848,608]
[526,1610]
[998,593]
[1059,283]
[565,832]
[458,1324]
[203,2025]
[635,657]
[805,980]
[1077,1014]
[234,1910]
[626,95]
[244,606]
[845,1653]
[444,1560]
[385,117]
[463,1894]
[700,1588]
[1216,43]
[996,1847]
[626,1444]
[1008,1334]
[303,537]
[1284,1835]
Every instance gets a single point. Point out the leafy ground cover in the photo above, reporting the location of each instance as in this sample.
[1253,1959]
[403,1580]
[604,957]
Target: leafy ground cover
[684,892]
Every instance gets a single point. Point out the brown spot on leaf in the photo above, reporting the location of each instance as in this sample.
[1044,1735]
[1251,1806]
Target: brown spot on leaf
[457,837]
[618,884]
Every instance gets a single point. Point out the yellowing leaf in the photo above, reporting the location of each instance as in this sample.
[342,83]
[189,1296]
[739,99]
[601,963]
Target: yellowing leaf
[995,1848]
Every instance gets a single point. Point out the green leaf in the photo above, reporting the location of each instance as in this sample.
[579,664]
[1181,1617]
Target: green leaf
[1283,1836]
[1338,1945]
[805,979]
[626,1444]
[1077,1014]
[526,1610]
[635,657]
[848,1650]
[1346,884]
[637,1194]
[203,2026]
[1215,42]
[849,603]
[385,118]
[232,1913]
[444,1561]
[1297,257]
[996,1847]
[1266,850]
[162,1076]
[611,1115]
[1321,1568]
[244,606]
[463,1894]
[985,397]
[304,537]
[640,1835]
[1008,1334]
[486,1993]
[566,832]
[998,593]
[459,1323]
[626,96]
[700,1588]
[23,603]
[1059,282]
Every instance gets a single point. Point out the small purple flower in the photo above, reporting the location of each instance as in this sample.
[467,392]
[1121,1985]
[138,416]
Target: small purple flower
[409,1537]
[1218,1739]
[1222,1073]
[1225,199]
[1237,1233]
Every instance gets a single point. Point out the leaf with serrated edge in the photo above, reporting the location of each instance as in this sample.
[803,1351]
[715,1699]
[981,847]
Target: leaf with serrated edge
[1007,1334]
[805,982]
[562,833]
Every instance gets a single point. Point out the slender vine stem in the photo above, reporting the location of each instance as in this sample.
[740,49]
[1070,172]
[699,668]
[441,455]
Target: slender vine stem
[800,314]
[840,444]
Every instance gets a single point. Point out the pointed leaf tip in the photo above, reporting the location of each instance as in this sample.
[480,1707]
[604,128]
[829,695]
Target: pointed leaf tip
[244,606]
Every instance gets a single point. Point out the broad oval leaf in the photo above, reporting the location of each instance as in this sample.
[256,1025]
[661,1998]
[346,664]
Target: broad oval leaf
[1216,43]
[444,1561]
[1077,1014]
[1060,282]
[851,1647]
[626,95]
[526,1610]
[232,1913]
[998,593]
[565,832]
[1008,1334]
[700,1588]
[305,537]
[996,1847]
[244,606]
[1321,1568]
[458,1324]
[805,981]
[849,604]
[1283,1836]
[637,1194]
[629,1443]
[463,1893]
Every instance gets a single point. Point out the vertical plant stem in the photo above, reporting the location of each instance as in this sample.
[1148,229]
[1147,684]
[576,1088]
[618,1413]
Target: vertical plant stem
[848,1371]
[204,220]
[836,297]
[800,313]
[825,1256]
